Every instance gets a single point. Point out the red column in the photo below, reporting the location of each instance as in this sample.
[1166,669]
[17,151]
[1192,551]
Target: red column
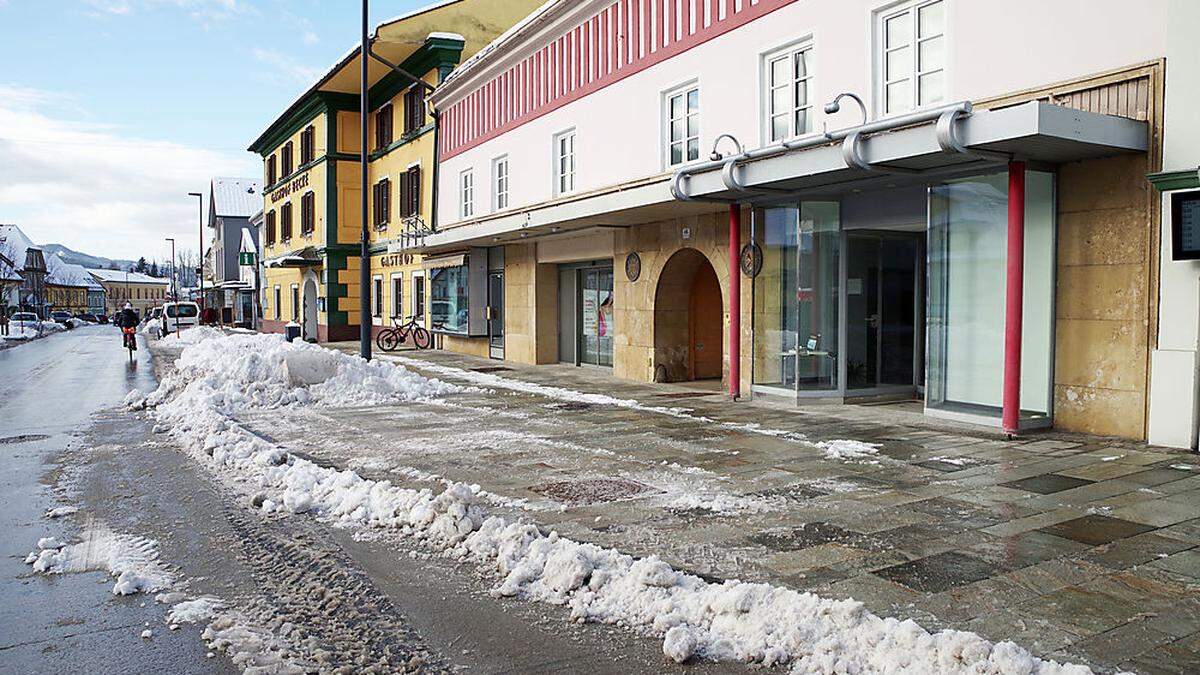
[735,301]
[1015,291]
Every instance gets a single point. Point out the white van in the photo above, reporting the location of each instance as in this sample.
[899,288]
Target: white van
[179,315]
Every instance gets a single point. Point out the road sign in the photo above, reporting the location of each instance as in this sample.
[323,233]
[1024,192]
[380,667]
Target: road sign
[246,258]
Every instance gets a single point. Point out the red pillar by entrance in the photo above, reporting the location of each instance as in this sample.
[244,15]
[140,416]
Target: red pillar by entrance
[735,301]
[1011,416]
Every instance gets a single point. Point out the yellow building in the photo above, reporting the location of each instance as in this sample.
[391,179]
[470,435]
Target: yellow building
[311,231]
[142,291]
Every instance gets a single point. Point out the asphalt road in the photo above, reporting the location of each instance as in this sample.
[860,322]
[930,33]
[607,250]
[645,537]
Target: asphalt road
[49,390]
[369,604]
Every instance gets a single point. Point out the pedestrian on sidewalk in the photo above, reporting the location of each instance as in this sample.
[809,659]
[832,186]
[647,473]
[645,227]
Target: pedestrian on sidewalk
[3,321]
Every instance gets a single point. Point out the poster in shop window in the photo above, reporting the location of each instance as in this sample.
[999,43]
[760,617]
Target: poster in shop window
[597,313]
[591,313]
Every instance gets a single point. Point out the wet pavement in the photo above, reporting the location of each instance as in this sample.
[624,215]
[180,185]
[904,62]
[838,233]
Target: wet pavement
[1079,548]
[337,598]
[49,388]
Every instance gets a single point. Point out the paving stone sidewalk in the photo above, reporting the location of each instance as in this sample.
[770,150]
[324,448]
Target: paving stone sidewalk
[1078,548]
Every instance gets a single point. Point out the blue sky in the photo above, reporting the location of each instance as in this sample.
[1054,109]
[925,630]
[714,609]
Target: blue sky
[112,110]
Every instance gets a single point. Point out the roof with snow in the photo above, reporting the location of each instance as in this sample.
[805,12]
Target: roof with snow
[60,273]
[236,197]
[13,241]
[131,277]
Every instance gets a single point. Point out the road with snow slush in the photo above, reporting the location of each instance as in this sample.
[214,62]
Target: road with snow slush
[123,553]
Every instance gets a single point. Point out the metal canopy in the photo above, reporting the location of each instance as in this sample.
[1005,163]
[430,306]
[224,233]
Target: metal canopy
[1036,132]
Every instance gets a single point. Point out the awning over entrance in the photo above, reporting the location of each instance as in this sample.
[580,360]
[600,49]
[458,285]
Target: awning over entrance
[305,257]
[912,149]
[456,260]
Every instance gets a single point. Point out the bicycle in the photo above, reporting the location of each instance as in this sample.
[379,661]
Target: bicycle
[391,338]
[129,336]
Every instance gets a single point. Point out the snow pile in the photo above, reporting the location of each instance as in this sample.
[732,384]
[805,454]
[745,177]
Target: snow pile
[133,561]
[76,323]
[227,373]
[60,511]
[196,610]
[193,335]
[847,449]
[22,331]
[731,621]
[251,648]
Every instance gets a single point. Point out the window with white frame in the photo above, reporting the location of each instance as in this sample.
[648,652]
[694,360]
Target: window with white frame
[912,55]
[564,162]
[682,113]
[788,80]
[500,183]
[398,295]
[466,194]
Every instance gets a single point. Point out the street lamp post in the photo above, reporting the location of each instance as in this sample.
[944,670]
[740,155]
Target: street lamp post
[364,277]
[174,284]
[200,276]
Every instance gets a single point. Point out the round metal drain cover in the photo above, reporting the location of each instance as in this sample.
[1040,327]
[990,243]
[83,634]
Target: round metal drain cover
[23,438]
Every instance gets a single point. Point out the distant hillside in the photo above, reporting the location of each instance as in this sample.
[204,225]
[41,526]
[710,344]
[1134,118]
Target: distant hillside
[92,261]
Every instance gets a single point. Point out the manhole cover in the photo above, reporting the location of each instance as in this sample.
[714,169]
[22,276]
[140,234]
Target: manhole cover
[490,369]
[23,438]
[570,405]
[595,491]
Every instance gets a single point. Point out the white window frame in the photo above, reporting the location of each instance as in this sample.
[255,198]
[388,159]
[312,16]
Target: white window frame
[418,307]
[913,73]
[466,194]
[501,179]
[377,299]
[397,298]
[788,52]
[566,162]
[668,141]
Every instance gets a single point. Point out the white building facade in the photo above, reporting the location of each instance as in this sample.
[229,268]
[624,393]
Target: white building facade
[662,187]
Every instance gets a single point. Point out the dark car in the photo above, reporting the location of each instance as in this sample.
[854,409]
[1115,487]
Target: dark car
[101,318]
[90,318]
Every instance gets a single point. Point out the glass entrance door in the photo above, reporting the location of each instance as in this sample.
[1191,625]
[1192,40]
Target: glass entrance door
[883,308]
[495,314]
[595,318]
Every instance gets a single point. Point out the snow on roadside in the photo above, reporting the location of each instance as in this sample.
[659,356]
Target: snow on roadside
[132,560]
[832,449]
[228,631]
[730,621]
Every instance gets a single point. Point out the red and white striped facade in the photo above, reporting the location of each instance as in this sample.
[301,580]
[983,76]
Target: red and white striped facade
[602,70]
[619,40]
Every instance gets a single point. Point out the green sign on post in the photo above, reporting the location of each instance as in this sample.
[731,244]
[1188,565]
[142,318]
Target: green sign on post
[245,257]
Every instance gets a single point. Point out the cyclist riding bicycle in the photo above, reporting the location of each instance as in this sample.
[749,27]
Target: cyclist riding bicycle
[127,321]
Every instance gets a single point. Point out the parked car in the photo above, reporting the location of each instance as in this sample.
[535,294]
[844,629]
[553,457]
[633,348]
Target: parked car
[90,318]
[101,318]
[23,317]
[63,317]
[179,315]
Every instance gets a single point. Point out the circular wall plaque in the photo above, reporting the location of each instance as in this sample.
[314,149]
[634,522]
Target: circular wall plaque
[633,266]
[751,260]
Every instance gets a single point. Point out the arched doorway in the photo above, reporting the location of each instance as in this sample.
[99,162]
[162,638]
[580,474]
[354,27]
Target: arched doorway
[308,329]
[688,320]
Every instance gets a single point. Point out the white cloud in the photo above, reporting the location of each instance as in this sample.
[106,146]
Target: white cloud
[95,187]
[205,11]
[292,71]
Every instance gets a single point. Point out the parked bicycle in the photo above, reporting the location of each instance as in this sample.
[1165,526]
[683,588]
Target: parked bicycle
[390,339]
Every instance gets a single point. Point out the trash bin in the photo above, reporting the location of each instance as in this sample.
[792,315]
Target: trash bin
[291,331]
